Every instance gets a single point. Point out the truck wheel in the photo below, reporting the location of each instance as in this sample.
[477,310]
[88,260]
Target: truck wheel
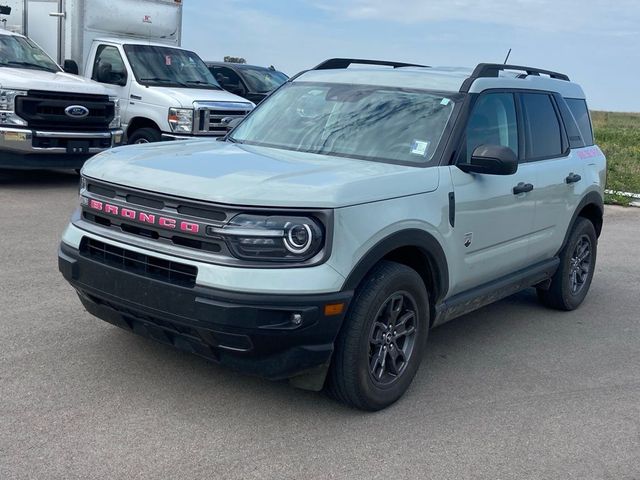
[571,282]
[144,135]
[380,346]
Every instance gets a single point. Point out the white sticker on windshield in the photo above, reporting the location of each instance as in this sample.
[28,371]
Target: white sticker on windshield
[445,102]
[420,147]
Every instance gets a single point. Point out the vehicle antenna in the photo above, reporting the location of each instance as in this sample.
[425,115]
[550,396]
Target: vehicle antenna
[507,58]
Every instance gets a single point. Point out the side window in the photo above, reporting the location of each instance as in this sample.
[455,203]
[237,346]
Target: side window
[492,122]
[109,67]
[227,78]
[580,112]
[542,127]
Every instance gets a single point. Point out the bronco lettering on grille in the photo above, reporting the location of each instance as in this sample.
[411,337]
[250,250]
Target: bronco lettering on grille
[143,217]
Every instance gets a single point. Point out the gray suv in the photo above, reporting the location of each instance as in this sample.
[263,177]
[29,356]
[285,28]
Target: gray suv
[351,212]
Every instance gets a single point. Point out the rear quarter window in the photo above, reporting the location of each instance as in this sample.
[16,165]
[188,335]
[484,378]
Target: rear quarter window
[580,112]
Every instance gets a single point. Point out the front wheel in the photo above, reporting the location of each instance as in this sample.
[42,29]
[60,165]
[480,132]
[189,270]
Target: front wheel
[145,135]
[379,349]
[571,282]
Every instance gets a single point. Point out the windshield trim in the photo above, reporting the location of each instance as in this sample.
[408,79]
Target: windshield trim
[171,84]
[456,97]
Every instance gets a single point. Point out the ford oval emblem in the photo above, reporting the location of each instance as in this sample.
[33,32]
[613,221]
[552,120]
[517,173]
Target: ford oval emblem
[76,111]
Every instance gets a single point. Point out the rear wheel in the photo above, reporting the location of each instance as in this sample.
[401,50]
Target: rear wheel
[570,284]
[380,347]
[145,135]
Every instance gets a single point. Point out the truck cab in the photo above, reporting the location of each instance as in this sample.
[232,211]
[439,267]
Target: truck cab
[48,118]
[165,92]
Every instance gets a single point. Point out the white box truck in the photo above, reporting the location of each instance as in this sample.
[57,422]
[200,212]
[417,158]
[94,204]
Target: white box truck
[165,92]
[48,118]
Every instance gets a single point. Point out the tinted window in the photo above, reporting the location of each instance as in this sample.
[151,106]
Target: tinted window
[544,138]
[581,114]
[109,66]
[492,122]
[226,77]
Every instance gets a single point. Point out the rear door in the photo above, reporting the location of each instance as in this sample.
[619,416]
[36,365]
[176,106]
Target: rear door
[549,136]
[43,26]
[492,223]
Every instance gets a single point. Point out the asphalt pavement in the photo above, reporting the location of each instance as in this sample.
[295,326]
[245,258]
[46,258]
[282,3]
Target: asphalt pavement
[511,391]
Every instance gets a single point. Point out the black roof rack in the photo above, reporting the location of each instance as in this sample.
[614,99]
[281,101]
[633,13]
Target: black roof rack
[488,70]
[338,63]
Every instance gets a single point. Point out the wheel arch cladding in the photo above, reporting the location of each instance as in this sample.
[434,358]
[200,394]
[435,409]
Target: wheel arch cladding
[141,122]
[590,207]
[414,248]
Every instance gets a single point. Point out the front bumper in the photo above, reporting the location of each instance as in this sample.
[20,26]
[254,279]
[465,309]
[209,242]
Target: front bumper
[253,333]
[26,148]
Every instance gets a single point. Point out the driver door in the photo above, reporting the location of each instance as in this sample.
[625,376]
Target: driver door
[109,68]
[492,223]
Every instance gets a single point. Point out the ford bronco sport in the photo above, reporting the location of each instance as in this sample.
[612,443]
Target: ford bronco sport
[352,211]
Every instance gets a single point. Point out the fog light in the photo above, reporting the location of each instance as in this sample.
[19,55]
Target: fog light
[296,319]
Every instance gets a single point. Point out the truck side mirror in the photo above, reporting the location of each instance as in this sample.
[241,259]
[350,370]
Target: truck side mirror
[491,160]
[104,72]
[70,66]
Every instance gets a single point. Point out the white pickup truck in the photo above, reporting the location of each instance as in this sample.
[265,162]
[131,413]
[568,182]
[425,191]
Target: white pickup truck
[49,118]
[165,92]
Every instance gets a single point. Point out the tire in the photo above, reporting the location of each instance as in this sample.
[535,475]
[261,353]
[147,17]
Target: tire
[571,282]
[362,371]
[144,135]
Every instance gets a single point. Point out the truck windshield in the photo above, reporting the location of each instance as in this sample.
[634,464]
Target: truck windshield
[358,121]
[20,52]
[169,67]
[262,80]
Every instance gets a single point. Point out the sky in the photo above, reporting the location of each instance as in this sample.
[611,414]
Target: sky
[595,42]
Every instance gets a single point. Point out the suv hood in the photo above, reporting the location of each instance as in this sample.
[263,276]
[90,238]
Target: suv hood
[228,173]
[186,96]
[26,79]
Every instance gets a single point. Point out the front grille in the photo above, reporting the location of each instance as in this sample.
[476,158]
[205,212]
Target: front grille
[209,117]
[46,110]
[140,264]
[171,207]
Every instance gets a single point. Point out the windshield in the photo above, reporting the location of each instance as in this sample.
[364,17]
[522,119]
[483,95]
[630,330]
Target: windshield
[358,121]
[20,52]
[262,80]
[169,67]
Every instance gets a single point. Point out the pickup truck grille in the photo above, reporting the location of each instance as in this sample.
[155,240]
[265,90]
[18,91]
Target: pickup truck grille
[212,118]
[46,110]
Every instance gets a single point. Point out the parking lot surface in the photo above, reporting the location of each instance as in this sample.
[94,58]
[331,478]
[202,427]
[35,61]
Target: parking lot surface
[511,391]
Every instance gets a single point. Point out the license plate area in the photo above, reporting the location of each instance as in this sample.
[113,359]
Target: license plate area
[78,146]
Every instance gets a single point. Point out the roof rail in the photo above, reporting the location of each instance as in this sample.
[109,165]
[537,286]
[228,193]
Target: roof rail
[488,70]
[338,63]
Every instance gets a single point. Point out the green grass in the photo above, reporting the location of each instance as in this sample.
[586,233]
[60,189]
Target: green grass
[618,135]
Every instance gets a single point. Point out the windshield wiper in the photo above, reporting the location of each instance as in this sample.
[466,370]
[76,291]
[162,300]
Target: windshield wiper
[157,79]
[200,82]
[32,65]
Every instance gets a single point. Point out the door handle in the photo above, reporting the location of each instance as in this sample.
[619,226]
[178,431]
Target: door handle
[572,178]
[522,188]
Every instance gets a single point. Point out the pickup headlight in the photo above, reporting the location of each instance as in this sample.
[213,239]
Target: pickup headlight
[181,120]
[117,118]
[273,238]
[8,107]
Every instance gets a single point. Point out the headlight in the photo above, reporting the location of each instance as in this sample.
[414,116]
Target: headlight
[181,120]
[273,238]
[117,118]
[8,107]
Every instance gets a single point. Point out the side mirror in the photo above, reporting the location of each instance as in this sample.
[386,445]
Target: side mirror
[104,72]
[237,89]
[491,160]
[70,66]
